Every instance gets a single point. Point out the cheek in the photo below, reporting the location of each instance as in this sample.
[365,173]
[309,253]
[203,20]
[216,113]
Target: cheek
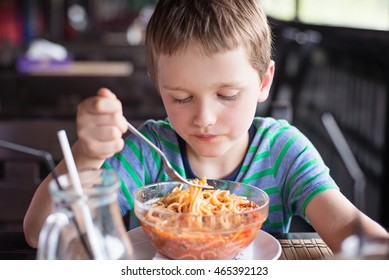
[178,117]
[169,107]
[239,118]
[246,109]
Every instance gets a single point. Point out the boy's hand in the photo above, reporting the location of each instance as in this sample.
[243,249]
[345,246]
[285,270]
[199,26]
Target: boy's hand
[100,125]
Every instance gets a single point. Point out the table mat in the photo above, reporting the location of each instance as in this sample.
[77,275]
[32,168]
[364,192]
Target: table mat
[304,249]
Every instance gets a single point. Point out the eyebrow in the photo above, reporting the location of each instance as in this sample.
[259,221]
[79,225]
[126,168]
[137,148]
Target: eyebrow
[233,85]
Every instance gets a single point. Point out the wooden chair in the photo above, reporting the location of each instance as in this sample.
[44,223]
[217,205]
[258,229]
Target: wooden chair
[20,173]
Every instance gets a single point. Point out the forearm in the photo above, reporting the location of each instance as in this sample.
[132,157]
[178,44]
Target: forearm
[361,225]
[41,203]
[100,125]
[335,218]
[372,229]
[40,207]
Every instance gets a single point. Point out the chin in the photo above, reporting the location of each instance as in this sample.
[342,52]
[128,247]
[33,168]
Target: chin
[210,151]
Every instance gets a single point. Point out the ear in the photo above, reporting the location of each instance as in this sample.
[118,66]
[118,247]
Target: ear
[266,82]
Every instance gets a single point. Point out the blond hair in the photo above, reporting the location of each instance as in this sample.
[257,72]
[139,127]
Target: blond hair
[216,25]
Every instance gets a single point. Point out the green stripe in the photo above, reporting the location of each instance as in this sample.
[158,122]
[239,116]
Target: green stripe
[267,136]
[258,175]
[155,156]
[244,168]
[279,224]
[158,161]
[302,186]
[284,183]
[135,150]
[276,135]
[284,150]
[262,155]
[252,149]
[178,169]
[314,193]
[170,145]
[106,165]
[276,207]
[130,170]
[257,157]
[162,176]
[263,131]
[139,155]
[123,188]
[298,171]
[271,190]
[276,225]
[164,124]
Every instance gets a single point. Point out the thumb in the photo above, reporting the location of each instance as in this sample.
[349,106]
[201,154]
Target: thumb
[104,92]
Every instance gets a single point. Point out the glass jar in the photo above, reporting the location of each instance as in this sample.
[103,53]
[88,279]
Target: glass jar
[86,226]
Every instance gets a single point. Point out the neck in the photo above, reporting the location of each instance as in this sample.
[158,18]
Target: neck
[221,166]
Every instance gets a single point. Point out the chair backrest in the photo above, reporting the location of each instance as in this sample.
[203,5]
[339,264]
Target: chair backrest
[20,173]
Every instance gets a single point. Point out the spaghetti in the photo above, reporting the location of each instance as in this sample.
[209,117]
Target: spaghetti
[197,223]
[198,201]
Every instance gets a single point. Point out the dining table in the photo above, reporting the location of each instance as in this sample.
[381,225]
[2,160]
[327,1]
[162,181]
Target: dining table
[295,246]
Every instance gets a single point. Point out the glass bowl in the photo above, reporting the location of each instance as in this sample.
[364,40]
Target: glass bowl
[189,236]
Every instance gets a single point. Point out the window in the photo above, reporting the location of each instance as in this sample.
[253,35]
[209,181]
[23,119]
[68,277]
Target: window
[364,14]
[280,9]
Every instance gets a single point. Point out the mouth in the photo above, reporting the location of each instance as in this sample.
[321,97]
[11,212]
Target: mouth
[205,137]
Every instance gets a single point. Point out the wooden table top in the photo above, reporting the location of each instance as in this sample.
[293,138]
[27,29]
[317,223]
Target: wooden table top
[295,246]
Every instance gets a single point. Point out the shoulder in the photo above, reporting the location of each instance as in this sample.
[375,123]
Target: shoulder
[158,129]
[287,145]
[270,125]
[161,133]
[156,125]
[275,131]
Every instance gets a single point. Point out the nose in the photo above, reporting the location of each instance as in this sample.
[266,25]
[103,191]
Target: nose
[205,115]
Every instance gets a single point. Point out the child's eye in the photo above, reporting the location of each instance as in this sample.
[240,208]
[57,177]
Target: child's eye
[228,97]
[182,100]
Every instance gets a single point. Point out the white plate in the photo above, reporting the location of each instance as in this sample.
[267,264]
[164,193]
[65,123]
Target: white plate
[264,247]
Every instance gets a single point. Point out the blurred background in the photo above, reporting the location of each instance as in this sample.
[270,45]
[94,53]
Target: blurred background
[331,56]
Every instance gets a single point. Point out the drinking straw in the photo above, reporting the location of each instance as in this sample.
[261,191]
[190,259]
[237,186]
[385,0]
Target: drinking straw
[48,159]
[75,179]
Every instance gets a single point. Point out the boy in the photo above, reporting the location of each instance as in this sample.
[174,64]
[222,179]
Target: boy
[210,61]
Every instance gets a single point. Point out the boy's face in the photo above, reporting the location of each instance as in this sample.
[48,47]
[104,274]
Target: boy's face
[211,100]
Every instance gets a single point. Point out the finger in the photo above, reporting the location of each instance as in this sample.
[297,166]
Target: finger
[90,120]
[100,133]
[122,124]
[99,105]
[102,145]
[105,92]
[102,150]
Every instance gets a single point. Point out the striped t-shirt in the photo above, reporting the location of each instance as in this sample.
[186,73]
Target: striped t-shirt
[280,160]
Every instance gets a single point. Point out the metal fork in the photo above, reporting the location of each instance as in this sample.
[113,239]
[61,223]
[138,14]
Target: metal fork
[168,167]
